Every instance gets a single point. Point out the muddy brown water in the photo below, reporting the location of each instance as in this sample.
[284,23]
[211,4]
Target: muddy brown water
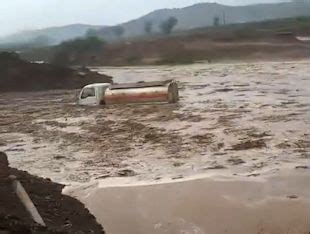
[246,119]
[246,122]
[277,205]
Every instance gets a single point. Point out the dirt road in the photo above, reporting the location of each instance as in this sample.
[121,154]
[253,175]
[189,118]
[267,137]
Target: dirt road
[239,120]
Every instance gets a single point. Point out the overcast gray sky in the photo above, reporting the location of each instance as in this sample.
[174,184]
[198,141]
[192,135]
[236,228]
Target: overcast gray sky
[18,15]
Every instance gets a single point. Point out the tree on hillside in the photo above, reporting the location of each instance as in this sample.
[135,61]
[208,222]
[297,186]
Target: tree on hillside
[301,1]
[91,33]
[148,27]
[168,25]
[216,21]
[118,31]
[82,44]
[76,48]
[42,40]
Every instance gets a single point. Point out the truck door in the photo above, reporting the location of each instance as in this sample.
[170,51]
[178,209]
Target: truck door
[88,97]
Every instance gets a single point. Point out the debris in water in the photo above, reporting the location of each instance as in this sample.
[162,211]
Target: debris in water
[126,173]
[292,196]
[178,177]
[236,161]
[215,167]
[250,144]
[302,167]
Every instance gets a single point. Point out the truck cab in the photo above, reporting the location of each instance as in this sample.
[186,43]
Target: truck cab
[93,94]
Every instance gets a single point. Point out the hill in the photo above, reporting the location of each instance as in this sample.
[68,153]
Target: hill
[268,40]
[196,16]
[203,15]
[48,36]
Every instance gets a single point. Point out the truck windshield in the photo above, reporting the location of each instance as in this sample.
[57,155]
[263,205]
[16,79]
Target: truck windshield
[88,92]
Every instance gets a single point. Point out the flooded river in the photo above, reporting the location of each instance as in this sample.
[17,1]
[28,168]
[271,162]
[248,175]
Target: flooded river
[243,129]
[239,120]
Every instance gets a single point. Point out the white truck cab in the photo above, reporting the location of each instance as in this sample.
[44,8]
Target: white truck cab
[93,94]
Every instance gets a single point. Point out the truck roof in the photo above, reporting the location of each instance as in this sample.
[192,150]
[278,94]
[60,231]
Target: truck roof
[97,85]
[140,84]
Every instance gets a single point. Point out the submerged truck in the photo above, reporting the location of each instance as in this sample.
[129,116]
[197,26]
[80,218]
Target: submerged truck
[141,92]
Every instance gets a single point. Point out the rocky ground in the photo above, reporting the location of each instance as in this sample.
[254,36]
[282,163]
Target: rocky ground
[247,120]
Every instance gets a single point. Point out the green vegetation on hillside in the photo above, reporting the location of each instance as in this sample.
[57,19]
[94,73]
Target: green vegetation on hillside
[67,51]
[148,27]
[168,25]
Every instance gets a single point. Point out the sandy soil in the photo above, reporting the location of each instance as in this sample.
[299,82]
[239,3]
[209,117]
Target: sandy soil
[239,120]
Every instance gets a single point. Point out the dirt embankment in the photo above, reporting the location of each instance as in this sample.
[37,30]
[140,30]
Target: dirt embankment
[270,40]
[61,214]
[191,48]
[19,75]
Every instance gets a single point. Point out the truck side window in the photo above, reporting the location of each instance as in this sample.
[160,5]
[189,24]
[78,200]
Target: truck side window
[88,92]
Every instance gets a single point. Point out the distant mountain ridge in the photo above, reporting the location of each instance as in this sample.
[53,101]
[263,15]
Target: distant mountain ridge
[203,14]
[195,16]
[55,35]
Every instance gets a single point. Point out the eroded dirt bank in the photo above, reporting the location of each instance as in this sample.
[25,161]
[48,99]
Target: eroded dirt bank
[19,75]
[60,213]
